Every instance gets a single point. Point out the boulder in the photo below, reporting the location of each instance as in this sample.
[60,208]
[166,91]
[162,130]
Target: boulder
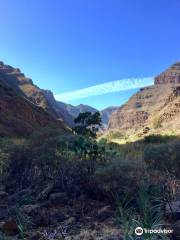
[3,197]
[58,198]
[57,216]
[70,221]
[33,235]
[46,192]
[104,213]
[45,204]
[41,218]
[3,212]
[10,227]
[43,214]
[31,209]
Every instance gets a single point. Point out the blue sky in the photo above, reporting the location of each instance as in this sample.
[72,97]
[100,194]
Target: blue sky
[66,45]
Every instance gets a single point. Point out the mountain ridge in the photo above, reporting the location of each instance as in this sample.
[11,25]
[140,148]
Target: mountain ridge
[19,116]
[40,97]
[159,102]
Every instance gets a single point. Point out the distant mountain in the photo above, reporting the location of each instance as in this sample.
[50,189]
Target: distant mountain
[70,112]
[85,108]
[157,106]
[106,113]
[74,111]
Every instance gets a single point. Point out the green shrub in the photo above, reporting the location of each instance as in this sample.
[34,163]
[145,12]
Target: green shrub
[7,148]
[158,139]
[69,161]
[117,177]
[156,122]
[164,157]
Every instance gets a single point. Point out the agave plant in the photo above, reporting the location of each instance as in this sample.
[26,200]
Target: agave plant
[148,215]
[126,215]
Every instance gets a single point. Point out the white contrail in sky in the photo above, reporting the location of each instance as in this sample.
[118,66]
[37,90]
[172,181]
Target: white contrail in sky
[109,87]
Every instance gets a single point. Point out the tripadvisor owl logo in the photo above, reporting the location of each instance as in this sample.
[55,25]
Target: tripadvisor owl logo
[139,231]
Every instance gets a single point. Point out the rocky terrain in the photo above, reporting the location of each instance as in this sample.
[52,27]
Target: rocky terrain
[153,107]
[20,116]
[52,215]
[25,86]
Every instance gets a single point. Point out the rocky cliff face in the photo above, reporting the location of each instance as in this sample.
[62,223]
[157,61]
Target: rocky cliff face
[42,98]
[19,116]
[158,103]
[59,108]
[171,75]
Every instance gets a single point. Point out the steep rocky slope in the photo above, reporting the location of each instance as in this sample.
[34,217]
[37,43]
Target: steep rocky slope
[59,108]
[171,75]
[42,98]
[19,116]
[156,106]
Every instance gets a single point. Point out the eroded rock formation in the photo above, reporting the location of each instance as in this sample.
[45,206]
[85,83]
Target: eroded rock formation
[160,101]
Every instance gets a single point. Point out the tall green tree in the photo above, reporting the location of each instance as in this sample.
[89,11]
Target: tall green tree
[87,124]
